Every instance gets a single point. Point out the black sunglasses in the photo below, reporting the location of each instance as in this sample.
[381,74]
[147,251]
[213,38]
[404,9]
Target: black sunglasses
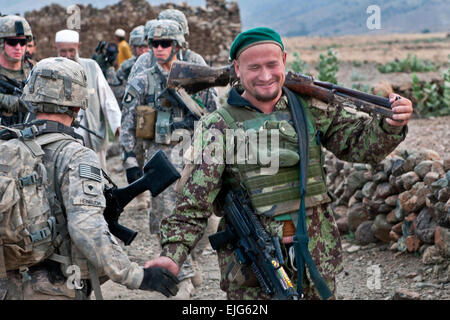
[14,42]
[162,43]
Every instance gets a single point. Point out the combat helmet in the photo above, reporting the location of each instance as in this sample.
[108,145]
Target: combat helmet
[138,36]
[148,25]
[14,26]
[176,15]
[56,85]
[166,30]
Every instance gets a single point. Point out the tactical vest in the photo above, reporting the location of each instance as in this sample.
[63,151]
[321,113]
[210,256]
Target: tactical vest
[277,195]
[94,115]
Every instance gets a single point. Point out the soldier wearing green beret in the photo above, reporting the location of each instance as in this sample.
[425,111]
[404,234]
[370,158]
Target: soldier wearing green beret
[303,222]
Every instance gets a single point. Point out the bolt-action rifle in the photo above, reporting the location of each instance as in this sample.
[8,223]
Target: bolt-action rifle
[194,77]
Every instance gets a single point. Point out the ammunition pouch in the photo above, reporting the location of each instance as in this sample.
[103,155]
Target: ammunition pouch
[145,122]
[163,130]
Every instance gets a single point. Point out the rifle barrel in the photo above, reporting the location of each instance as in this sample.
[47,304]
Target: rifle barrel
[381,101]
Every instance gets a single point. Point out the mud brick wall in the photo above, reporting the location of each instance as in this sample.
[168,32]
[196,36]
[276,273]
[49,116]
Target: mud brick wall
[212,28]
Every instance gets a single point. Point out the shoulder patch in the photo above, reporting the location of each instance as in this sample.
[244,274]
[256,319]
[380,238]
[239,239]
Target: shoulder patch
[90,172]
[128,98]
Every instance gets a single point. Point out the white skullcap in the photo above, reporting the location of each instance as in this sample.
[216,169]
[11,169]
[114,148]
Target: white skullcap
[70,36]
[120,33]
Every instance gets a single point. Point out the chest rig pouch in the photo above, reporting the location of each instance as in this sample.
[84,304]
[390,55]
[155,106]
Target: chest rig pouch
[165,108]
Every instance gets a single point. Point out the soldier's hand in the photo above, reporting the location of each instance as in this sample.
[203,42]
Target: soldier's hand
[402,108]
[160,279]
[163,262]
[133,174]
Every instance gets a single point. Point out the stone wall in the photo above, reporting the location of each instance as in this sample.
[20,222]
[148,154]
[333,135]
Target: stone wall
[212,28]
[405,201]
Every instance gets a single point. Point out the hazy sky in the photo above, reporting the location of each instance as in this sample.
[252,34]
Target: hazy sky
[20,6]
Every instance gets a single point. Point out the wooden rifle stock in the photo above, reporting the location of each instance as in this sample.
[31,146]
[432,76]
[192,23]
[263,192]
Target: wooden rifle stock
[329,93]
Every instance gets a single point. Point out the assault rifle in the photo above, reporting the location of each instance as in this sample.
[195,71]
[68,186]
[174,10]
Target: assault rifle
[159,173]
[14,87]
[194,77]
[254,246]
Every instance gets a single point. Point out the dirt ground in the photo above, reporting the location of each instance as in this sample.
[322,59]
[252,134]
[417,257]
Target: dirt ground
[370,272]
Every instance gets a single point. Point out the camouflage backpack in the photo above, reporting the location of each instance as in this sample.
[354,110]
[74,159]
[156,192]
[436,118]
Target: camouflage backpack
[27,226]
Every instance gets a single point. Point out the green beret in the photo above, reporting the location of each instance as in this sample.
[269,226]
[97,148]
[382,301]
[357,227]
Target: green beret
[252,37]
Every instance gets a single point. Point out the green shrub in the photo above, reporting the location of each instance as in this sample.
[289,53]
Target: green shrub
[298,65]
[357,77]
[328,66]
[410,64]
[362,87]
[428,100]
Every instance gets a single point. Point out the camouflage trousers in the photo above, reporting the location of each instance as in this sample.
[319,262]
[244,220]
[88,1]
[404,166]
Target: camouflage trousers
[38,287]
[324,246]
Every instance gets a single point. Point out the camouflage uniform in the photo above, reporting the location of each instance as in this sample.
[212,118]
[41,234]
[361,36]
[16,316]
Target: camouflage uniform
[85,237]
[137,93]
[7,29]
[351,137]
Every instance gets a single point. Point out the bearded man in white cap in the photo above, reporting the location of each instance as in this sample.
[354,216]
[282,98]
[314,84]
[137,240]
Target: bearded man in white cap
[102,102]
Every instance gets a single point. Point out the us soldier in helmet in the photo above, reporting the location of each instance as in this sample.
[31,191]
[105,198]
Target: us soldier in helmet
[57,87]
[118,80]
[15,33]
[147,60]
[166,40]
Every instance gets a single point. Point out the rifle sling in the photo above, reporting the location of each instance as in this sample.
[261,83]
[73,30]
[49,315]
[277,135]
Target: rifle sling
[301,239]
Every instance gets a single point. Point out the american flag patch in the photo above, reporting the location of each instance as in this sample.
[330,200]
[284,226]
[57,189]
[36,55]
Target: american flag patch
[90,172]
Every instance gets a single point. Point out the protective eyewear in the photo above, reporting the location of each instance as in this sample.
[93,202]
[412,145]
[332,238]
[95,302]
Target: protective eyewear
[163,43]
[14,42]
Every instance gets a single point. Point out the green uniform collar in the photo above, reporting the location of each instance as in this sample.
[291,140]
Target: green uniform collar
[236,100]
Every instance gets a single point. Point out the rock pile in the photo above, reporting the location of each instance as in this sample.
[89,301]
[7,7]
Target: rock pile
[212,28]
[404,200]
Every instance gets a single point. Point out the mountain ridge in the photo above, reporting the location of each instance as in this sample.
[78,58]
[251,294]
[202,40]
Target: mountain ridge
[305,17]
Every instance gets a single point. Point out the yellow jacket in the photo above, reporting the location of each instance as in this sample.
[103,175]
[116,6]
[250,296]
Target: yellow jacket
[124,52]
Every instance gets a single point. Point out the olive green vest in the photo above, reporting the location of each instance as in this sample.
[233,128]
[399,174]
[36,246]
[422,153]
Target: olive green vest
[276,195]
